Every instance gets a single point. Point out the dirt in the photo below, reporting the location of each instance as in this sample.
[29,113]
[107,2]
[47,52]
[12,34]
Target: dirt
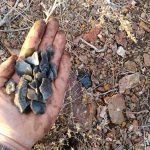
[95,30]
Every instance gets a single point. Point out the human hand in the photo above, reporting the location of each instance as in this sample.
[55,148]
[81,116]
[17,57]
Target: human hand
[22,131]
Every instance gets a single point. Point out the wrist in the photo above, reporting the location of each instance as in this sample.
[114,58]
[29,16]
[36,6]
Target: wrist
[11,144]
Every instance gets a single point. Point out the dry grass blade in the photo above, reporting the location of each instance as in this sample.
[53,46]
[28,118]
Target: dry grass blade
[50,11]
[6,17]
[92,46]
[15,30]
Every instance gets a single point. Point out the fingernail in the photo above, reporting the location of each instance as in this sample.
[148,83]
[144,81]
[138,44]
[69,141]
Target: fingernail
[39,26]
[51,18]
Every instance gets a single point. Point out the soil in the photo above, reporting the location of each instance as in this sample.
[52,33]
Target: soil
[110,40]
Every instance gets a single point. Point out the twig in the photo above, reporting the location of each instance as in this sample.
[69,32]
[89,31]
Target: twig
[21,13]
[15,30]
[5,19]
[144,20]
[112,5]
[139,112]
[50,11]
[92,46]
[112,90]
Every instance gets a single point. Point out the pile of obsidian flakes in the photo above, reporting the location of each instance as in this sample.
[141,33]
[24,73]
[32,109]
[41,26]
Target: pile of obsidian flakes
[35,86]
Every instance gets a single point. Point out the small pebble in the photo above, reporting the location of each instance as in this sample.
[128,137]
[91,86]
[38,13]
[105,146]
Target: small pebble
[21,95]
[38,107]
[85,79]
[31,94]
[121,51]
[53,71]
[34,59]
[44,64]
[22,68]
[33,84]
[10,87]
[27,77]
[45,88]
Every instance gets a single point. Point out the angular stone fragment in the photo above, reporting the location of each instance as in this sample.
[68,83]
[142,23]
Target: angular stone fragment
[116,105]
[85,78]
[31,94]
[21,95]
[39,76]
[146,59]
[34,59]
[121,51]
[128,82]
[46,88]
[22,68]
[10,87]
[35,70]
[50,52]
[38,107]
[33,84]
[44,64]
[40,97]
[52,71]
[131,66]
[27,77]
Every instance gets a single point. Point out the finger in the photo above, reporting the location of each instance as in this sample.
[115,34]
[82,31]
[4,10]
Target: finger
[33,38]
[59,47]
[7,69]
[50,33]
[55,103]
[3,81]
[63,74]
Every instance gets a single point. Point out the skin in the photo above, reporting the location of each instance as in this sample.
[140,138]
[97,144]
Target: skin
[24,130]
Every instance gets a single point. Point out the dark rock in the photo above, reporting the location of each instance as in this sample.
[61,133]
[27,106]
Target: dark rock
[46,88]
[21,95]
[33,84]
[39,76]
[44,64]
[22,68]
[31,94]
[53,71]
[34,59]
[85,79]
[38,107]
[35,70]
[50,52]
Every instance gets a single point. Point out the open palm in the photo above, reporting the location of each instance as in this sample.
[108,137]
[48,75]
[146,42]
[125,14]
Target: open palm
[21,131]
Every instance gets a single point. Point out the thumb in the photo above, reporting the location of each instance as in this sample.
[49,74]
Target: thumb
[7,69]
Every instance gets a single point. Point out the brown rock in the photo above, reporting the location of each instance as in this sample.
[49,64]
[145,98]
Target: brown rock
[131,66]
[146,59]
[83,110]
[135,125]
[144,26]
[91,36]
[134,99]
[121,38]
[115,106]
[128,82]
[101,112]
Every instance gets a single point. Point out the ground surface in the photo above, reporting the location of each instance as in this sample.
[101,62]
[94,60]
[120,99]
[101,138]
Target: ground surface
[109,40]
